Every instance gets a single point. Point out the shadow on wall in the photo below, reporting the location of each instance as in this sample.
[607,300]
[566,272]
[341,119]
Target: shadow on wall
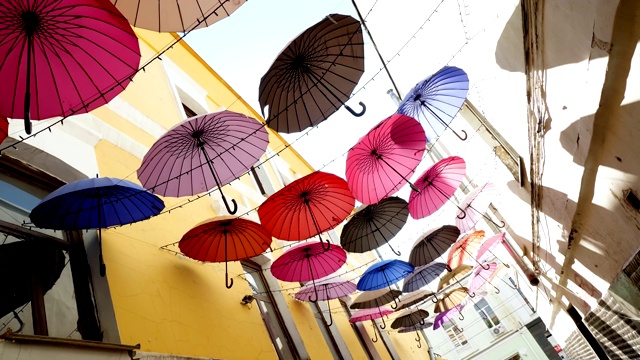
[575,43]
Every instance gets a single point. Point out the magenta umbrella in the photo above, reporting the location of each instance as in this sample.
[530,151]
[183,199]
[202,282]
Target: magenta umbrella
[330,288]
[371,314]
[474,205]
[60,58]
[381,162]
[435,186]
[202,153]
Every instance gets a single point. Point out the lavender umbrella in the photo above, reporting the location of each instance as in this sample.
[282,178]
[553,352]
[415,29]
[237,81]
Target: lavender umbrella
[371,314]
[330,288]
[474,205]
[202,153]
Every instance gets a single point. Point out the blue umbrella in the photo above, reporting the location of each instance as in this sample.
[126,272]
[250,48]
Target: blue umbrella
[436,100]
[95,203]
[384,274]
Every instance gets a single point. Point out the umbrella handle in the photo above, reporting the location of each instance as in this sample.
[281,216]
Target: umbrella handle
[422,321]
[384,324]
[328,244]
[434,299]
[398,253]
[419,344]
[461,317]
[330,316]
[229,282]
[375,332]
[229,209]
[356,114]
[418,335]
[395,302]
[463,213]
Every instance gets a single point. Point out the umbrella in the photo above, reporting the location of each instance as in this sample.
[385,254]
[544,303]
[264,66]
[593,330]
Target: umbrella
[451,299]
[307,207]
[314,75]
[465,248]
[413,298]
[433,244]
[436,185]
[330,288]
[374,225]
[225,239]
[95,203]
[417,329]
[4,128]
[176,16]
[383,160]
[488,245]
[437,99]
[410,317]
[422,276]
[73,56]
[384,274]
[308,262]
[375,298]
[482,275]
[454,277]
[474,205]
[446,316]
[202,153]
[371,314]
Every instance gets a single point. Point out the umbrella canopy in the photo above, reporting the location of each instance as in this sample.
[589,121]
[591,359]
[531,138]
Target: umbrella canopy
[465,248]
[382,161]
[436,185]
[423,276]
[482,276]
[202,153]
[4,128]
[307,207]
[454,276]
[176,16]
[60,58]
[436,100]
[446,316]
[474,205]
[375,298]
[451,299]
[329,288]
[416,327]
[413,298]
[410,317]
[374,225]
[433,244]
[485,249]
[384,274]
[314,75]
[225,239]
[371,314]
[308,262]
[95,203]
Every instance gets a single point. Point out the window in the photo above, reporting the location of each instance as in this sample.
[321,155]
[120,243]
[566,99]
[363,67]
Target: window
[270,314]
[455,334]
[486,313]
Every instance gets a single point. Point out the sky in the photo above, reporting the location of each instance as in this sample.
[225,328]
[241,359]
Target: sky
[418,38]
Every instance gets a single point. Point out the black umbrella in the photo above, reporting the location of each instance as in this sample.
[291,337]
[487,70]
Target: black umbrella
[433,244]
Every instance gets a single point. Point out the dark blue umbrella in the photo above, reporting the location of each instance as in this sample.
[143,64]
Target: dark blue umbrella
[95,203]
[436,100]
[384,274]
[423,276]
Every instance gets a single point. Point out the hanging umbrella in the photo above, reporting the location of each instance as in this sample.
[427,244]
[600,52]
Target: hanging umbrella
[451,299]
[454,277]
[372,314]
[375,298]
[423,276]
[307,207]
[465,248]
[73,56]
[383,274]
[374,225]
[4,128]
[436,186]
[433,244]
[176,16]
[446,316]
[414,297]
[485,249]
[436,100]
[474,205]
[202,153]
[382,161]
[95,203]
[410,317]
[314,75]
[330,288]
[482,275]
[417,329]
[225,239]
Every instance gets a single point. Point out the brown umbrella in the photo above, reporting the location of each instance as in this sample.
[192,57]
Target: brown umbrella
[454,276]
[410,317]
[451,299]
[314,75]
[413,298]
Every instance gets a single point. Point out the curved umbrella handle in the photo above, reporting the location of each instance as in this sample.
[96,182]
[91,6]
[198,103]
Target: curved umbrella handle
[398,253]
[330,315]
[374,333]
[464,214]
[418,336]
[419,346]
[461,317]
[356,114]
[421,322]
[434,299]
[458,135]
[233,210]
[395,303]
[384,324]
[228,282]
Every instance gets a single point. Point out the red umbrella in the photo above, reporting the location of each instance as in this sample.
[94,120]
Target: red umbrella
[225,239]
[4,128]
[307,207]
[72,56]
[474,205]
[436,186]
[383,160]
[465,248]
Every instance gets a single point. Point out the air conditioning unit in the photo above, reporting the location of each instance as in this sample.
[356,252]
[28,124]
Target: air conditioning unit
[497,330]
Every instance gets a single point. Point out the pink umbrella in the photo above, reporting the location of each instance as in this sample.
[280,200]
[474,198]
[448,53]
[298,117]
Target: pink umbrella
[436,186]
[330,288]
[474,205]
[488,245]
[482,275]
[72,56]
[371,314]
[446,316]
[382,161]
[202,153]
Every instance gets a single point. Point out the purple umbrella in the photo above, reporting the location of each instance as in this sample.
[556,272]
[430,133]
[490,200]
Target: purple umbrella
[446,316]
[482,275]
[202,153]
[330,288]
[474,205]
